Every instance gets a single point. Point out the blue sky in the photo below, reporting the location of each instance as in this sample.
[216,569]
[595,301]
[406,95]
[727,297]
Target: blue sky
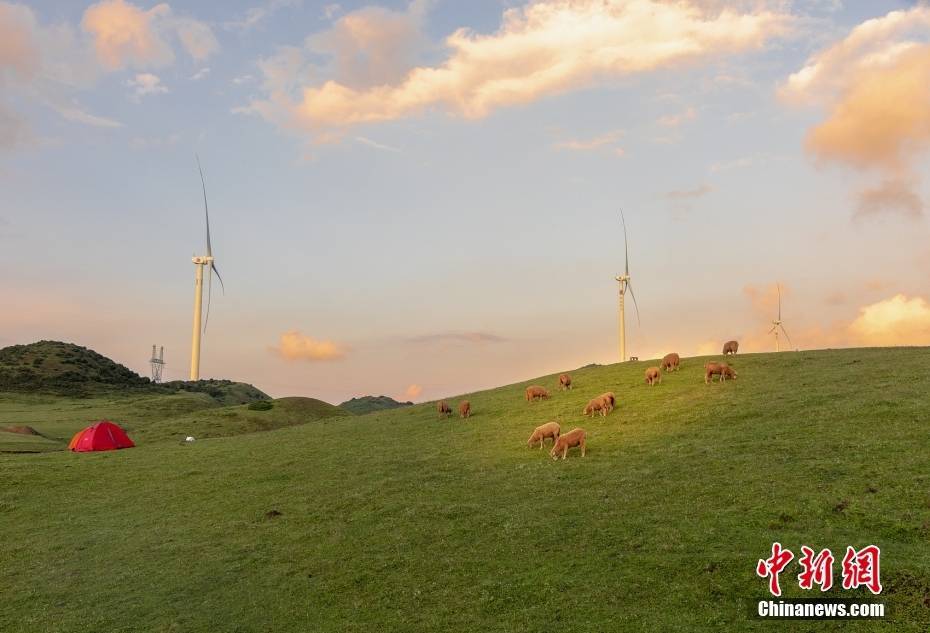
[465,234]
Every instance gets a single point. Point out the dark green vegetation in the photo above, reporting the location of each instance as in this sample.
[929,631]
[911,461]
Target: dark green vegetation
[66,369]
[398,521]
[370,404]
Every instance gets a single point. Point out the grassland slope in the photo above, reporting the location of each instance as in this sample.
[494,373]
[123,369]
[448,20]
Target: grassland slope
[399,521]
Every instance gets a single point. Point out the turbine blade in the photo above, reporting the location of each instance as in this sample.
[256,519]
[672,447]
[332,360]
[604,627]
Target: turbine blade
[773,329]
[206,210]
[216,270]
[626,249]
[786,334]
[206,318]
[779,302]
[636,307]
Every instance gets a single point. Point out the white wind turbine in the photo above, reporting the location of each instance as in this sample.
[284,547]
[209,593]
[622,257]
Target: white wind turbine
[776,324]
[624,281]
[200,261]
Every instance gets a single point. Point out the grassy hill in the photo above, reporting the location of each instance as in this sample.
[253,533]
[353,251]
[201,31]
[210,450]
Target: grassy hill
[66,369]
[146,417]
[398,521]
[63,368]
[370,404]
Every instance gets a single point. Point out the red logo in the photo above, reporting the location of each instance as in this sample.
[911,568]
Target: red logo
[859,568]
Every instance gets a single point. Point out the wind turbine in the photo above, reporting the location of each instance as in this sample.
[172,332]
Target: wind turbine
[624,281]
[200,261]
[776,324]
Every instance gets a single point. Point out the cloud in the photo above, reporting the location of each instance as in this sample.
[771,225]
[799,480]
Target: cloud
[894,195]
[50,63]
[295,346]
[72,111]
[254,16]
[200,74]
[674,120]
[412,392]
[689,194]
[837,298]
[125,35]
[582,145]
[544,48]
[459,337]
[146,84]
[873,86]
[764,301]
[898,320]
[370,143]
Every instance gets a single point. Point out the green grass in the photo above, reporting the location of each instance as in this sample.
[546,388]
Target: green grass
[398,521]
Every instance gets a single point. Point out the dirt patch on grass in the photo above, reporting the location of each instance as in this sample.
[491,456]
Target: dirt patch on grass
[22,430]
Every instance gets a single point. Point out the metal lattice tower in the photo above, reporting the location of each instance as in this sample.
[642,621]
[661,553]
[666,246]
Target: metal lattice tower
[158,363]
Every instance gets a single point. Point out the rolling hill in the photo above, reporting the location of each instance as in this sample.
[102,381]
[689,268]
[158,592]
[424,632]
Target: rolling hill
[399,521]
[54,367]
[370,404]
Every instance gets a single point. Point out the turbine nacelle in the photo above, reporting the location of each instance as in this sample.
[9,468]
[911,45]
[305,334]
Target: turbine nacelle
[202,260]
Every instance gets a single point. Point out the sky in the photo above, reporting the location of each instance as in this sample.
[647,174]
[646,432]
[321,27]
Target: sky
[421,199]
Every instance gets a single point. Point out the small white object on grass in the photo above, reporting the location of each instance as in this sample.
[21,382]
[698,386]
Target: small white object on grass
[189,439]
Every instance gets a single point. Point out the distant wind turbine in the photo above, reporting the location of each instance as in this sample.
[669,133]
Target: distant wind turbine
[777,325]
[199,262]
[624,281]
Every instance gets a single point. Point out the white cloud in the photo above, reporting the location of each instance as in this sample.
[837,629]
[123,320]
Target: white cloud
[200,74]
[146,84]
[597,142]
[255,16]
[544,48]
[370,143]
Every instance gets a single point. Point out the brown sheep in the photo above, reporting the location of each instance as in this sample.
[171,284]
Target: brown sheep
[535,392]
[444,409]
[610,401]
[595,405]
[565,381]
[540,433]
[718,369]
[575,437]
[653,376]
[464,408]
[671,362]
[730,347]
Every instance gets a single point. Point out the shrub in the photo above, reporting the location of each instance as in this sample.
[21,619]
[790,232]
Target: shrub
[260,405]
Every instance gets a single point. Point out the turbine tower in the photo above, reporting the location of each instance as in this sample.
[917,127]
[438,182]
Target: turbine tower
[624,281]
[776,324]
[201,261]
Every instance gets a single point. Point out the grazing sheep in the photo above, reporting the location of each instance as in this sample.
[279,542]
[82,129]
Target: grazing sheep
[444,409]
[653,376]
[610,401]
[730,347]
[464,408]
[671,362]
[575,437]
[565,381]
[596,405]
[718,369]
[540,433]
[535,392]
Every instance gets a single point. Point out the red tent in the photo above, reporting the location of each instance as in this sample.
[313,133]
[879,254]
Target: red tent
[103,436]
